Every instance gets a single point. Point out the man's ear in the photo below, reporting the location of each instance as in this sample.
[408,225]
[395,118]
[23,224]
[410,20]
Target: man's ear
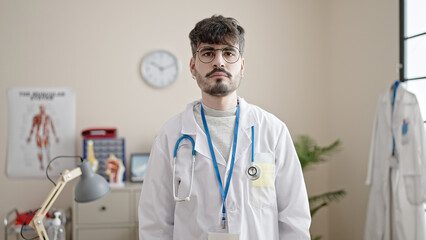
[192,66]
[243,62]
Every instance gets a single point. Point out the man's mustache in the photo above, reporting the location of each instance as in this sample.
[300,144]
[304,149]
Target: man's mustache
[219,70]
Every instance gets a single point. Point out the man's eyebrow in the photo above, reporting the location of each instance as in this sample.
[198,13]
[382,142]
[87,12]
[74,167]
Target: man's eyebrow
[207,48]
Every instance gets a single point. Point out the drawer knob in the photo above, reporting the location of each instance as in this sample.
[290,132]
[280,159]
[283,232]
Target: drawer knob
[103,208]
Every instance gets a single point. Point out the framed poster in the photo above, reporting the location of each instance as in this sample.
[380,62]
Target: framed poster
[41,126]
[138,165]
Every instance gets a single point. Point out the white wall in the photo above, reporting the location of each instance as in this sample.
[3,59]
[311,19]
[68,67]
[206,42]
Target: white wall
[317,65]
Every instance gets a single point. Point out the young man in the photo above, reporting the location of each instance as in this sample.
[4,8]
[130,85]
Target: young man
[246,182]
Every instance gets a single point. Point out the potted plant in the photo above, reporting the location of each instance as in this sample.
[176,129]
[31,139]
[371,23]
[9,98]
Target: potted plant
[310,153]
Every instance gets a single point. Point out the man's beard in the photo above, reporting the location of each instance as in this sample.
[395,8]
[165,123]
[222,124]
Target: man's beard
[221,86]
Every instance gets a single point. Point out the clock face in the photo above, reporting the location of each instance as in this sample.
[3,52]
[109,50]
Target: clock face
[160,68]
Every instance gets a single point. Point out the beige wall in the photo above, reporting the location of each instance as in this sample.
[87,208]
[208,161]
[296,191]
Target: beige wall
[317,65]
[363,63]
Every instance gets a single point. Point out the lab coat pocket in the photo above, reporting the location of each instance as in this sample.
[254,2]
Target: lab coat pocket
[413,188]
[262,193]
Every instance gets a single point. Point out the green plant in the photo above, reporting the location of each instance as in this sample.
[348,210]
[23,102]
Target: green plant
[310,153]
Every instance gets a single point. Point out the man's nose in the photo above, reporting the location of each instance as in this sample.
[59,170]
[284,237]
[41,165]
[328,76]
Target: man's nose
[218,60]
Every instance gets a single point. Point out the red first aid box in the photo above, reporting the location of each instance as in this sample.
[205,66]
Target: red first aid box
[99,133]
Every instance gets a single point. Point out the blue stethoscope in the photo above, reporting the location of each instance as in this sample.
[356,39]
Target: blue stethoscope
[253,172]
[192,168]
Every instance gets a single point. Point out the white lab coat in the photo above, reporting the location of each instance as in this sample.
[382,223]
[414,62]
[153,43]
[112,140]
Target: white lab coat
[407,177]
[276,209]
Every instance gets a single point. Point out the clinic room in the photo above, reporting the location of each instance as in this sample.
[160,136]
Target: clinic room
[249,120]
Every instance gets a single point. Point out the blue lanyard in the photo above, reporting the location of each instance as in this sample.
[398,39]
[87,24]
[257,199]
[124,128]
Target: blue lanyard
[393,106]
[252,144]
[395,86]
[234,146]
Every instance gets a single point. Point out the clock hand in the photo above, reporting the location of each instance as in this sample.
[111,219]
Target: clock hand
[157,66]
[170,65]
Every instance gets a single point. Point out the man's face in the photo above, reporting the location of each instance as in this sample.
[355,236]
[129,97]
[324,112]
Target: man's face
[217,78]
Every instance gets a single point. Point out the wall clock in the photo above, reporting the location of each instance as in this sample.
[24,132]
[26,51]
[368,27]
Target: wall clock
[160,68]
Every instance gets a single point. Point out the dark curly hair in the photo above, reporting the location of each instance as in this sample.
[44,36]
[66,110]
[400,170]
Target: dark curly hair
[217,30]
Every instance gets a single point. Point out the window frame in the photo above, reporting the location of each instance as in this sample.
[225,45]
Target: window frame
[402,41]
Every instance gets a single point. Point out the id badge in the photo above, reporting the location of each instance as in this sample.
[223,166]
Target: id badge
[222,236]
[218,233]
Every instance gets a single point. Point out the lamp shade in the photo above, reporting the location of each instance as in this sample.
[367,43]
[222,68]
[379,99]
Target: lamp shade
[91,186]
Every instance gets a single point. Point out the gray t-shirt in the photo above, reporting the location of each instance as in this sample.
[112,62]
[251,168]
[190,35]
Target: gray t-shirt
[221,127]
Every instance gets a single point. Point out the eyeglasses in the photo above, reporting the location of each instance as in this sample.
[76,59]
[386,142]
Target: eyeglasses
[207,54]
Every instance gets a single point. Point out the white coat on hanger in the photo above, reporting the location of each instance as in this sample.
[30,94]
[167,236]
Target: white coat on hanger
[399,183]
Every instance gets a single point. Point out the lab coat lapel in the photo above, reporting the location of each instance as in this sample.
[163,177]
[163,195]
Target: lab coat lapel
[202,147]
[396,111]
[247,119]
[190,127]
[386,103]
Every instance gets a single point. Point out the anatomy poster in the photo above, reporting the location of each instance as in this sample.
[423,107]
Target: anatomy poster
[41,126]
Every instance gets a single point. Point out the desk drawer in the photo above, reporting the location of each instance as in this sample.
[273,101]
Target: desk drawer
[113,208]
[113,233]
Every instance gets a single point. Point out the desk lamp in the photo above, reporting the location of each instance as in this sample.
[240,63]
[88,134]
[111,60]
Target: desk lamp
[90,188]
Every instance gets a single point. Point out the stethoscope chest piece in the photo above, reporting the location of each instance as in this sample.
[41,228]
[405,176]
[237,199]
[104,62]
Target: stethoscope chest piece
[253,172]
